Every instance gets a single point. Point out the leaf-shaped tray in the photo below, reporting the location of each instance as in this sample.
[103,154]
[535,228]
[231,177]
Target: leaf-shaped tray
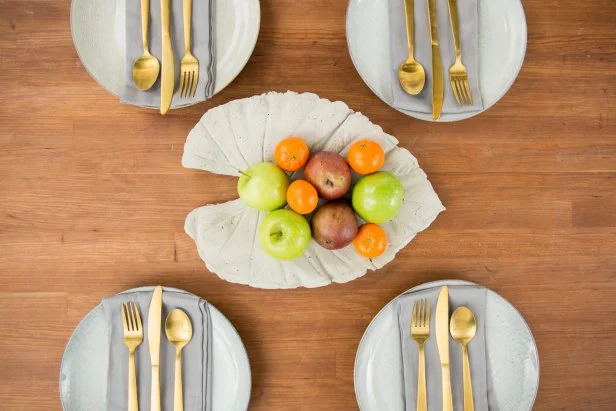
[241,133]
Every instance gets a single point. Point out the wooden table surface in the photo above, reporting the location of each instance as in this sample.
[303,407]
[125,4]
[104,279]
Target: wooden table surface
[93,199]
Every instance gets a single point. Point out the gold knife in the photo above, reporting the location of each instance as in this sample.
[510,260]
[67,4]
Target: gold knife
[437,65]
[167,78]
[442,341]
[154,327]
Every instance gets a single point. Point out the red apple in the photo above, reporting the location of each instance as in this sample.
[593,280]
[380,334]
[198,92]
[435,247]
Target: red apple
[329,173]
[334,225]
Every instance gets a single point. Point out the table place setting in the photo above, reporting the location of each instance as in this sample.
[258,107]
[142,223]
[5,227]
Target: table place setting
[119,359]
[438,47]
[164,54]
[437,60]
[419,336]
[172,29]
[447,345]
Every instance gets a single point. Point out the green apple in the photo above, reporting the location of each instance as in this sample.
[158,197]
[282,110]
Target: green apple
[377,197]
[264,187]
[284,234]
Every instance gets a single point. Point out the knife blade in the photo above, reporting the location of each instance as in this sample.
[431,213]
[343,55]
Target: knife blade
[442,342]
[154,328]
[167,77]
[437,65]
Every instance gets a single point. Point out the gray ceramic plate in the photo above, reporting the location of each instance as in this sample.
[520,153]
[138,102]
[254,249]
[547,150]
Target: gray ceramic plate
[512,358]
[83,373]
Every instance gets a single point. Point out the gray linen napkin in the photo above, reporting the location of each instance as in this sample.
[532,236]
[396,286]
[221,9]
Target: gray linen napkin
[398,52]
[202,45]
[196,356]
[474,297]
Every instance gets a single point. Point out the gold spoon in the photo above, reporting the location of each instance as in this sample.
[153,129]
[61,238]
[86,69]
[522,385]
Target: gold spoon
[463,328]
[411,73]
[146,67]
[178,329]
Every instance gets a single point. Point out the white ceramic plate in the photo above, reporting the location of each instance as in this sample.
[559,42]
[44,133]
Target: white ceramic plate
[98,28]
[502,45]
[512,358]
[83,373]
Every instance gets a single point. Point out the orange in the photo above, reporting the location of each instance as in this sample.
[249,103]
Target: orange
[302,197]
[291,154]
[371,240]
[366,156]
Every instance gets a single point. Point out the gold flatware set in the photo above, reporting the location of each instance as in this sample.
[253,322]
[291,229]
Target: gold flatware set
[147,67]
[178,330]
[411,73]
[462,327]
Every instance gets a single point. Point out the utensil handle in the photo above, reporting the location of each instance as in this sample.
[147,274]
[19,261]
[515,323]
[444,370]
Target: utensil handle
[422,403]
[187,6]
[133,404]
[145,21]
[155,397]
[469,404]
[446,379]
[164,17]
[455,26]
[178,398]
[409,9]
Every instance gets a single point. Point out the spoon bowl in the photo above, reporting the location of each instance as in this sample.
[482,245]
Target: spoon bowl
[178,328]
[145,71]
[412,76]
[463,325]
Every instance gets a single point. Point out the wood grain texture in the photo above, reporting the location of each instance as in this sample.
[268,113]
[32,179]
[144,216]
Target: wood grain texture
[93,199]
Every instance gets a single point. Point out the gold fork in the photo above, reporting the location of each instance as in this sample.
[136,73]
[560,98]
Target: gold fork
[133,336]
[189,65]
[420,331]
[458,76]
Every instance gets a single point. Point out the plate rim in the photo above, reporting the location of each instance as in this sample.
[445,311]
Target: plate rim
[217,88]
[461,116]
[244,352]
[436,283]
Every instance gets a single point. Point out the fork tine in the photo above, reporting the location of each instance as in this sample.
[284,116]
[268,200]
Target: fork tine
[463,90]
[124,321]
[422,307]
[460,92]
[138,316]
[133,317]
[468,91]
[414,316]
[184,81]
[428,314]
[195,82]
[191,76]
[455,91]
[423,312]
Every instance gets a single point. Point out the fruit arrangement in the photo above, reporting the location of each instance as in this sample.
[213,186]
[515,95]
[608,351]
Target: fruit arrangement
[323,203]
[234,137]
